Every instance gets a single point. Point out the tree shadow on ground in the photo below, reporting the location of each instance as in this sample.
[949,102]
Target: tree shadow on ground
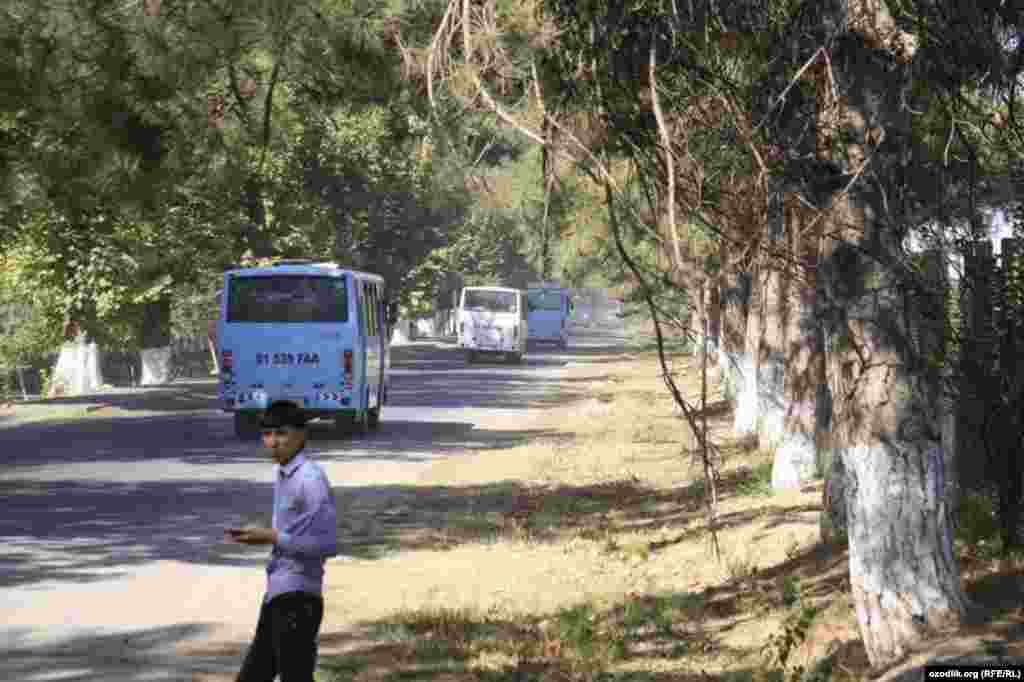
[657,632]
[129,656]
[110,445]
[427,376]
[84,530]
[444,517]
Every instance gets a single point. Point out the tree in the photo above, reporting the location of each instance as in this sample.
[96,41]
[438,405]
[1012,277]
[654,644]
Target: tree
[148,149]
[852,169]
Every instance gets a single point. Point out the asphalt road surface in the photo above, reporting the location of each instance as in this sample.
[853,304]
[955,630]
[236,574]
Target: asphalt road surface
[111,549]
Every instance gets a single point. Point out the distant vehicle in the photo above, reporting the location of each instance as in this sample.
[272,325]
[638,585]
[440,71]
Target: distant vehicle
[549,309]
[310,333]
[492,322]
[618,307]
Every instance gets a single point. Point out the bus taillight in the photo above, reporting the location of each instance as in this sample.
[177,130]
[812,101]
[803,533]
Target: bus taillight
[226,362]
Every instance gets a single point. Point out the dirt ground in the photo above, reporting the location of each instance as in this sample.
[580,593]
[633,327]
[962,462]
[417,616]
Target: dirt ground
[587,555]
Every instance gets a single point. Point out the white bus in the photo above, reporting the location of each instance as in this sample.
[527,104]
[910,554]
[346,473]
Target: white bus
[550,308]
[492,321]
[310,333]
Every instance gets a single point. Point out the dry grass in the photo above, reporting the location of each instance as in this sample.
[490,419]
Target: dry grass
[584,552]
[585,556]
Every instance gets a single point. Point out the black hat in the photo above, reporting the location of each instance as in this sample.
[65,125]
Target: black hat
[283,413]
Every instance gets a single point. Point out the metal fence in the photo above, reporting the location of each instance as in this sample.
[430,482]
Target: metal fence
[190,358]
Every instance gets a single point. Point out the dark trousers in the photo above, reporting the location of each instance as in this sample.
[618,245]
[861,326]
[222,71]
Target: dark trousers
[285,641]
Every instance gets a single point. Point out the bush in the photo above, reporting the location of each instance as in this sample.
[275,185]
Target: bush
[978,525]
[31,341]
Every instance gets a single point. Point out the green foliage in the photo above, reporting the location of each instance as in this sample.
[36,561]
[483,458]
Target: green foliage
[577,628]
[978,529]
[31,338]
[790,590]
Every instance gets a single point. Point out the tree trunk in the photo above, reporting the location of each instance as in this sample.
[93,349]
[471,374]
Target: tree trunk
[254,234]
[904,577]
[155,356]
[834,524]
[747,413]
[734,297]
[698,289]
[977,363]
[77,371]
[796,458]
[548,181]
[211,341]
[771,369]
[713,309]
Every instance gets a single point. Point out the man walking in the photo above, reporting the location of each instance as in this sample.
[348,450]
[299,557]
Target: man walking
[303,534]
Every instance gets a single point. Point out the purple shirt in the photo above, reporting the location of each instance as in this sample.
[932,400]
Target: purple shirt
[307,528]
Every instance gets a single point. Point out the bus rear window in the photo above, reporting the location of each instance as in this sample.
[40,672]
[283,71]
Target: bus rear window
[287,298]
[545,299]
[491,301]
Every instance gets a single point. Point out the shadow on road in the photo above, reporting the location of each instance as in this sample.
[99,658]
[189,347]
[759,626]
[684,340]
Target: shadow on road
[131,656]
[428,374]
[83,531]
[102,495]
[177,440]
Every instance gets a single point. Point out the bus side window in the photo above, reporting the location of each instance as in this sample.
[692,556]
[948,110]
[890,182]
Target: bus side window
[371,308]
[378,312]
[370,326]
[360,304]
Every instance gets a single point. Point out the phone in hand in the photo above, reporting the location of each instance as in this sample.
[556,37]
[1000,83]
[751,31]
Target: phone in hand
[234,532]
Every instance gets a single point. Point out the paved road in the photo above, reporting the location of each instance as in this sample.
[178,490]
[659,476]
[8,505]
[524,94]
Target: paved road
[110,538]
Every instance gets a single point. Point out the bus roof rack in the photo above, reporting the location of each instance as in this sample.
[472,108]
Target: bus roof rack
[293,261]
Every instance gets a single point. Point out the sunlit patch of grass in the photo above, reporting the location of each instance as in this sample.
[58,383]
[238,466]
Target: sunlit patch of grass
[615,503]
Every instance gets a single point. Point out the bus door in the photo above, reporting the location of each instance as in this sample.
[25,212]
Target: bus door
[373,337]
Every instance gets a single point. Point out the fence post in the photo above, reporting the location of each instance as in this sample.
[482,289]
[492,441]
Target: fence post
[934,327]
[976,353]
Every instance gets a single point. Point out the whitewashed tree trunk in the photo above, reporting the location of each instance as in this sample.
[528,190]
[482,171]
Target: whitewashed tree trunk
[213,354]
[904,577]
[887,397]
[156,366]
[402,332]
[211,341]
[746,415]
[77,371]
[796,457]
[155,357]
[888,415]
[733,328]
[771,372]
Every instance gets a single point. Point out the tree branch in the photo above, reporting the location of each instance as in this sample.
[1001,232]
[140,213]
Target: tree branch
[670,162]
[268,111]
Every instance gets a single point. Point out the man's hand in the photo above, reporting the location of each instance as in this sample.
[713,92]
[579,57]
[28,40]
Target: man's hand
[252,535]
